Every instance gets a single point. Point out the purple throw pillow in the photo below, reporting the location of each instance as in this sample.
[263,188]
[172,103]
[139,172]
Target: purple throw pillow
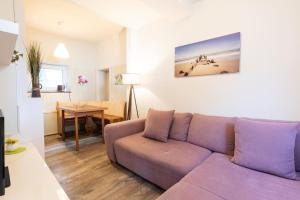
[266,146]
[158,124]
[180,126]
[297,143]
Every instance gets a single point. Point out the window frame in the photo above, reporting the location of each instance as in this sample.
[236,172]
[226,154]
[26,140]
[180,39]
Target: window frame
[65,76]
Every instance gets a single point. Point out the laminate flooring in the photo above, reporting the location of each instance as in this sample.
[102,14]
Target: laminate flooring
[88,174]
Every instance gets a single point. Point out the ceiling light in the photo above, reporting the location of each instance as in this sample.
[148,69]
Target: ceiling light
[61,51]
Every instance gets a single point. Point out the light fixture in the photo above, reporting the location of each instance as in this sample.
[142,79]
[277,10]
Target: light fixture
[61,51]
[130,79]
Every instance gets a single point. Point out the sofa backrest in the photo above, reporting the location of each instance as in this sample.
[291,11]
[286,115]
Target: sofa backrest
[217,134]
[297,150]
[212,132]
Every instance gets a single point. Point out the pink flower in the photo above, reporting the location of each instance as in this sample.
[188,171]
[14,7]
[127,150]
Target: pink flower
[82,80]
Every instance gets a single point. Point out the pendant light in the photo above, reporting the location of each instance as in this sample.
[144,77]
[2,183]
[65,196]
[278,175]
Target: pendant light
[61,51]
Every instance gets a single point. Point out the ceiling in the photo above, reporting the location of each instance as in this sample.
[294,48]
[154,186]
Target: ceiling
[76,22]
[137,13]
[128,13]
[94,20]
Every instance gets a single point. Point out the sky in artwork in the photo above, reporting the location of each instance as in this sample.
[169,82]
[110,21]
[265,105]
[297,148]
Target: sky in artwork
[215,45]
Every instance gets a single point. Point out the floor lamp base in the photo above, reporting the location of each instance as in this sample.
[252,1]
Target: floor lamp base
[131,93]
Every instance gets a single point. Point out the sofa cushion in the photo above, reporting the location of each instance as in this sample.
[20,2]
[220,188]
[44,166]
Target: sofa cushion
[266,146]
[297,143]
[297,150]
[214,133]
[187,191]
[158,124]
[217,174]
[161,163]
[180,126]
[115,131]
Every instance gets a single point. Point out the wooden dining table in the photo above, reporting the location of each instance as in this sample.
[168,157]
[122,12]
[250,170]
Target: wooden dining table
[77,111]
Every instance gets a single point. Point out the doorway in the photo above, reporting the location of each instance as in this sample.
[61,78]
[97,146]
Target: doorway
[103,85]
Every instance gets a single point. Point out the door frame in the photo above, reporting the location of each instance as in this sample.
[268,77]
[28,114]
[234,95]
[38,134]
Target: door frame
[101,69]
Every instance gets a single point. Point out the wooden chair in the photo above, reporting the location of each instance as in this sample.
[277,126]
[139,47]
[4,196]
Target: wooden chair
[69,119]
[116,110]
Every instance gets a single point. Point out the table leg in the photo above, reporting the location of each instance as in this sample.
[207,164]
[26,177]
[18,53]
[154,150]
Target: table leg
[76,133]
[102,124]
[63,125]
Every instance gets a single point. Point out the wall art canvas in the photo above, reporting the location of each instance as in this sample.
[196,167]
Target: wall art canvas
[219,55]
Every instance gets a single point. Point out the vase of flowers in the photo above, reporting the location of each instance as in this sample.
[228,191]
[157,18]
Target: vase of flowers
[34,61]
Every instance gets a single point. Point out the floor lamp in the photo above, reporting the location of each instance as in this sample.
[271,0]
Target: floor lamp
[132,80]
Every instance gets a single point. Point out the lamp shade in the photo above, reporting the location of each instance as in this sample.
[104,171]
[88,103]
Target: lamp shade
[61,51]
[130,79]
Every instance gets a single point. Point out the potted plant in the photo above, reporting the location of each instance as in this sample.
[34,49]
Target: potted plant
[119,79]
[34,61]
[11,144]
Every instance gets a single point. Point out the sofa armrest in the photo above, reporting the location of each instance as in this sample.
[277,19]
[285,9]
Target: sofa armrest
[115,131]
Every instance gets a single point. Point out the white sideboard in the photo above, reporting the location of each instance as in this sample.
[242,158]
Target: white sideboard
[31,178]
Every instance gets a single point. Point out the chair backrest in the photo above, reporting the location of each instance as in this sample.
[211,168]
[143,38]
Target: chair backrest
[59,114]
[116,108]
[98,103]
[68,103]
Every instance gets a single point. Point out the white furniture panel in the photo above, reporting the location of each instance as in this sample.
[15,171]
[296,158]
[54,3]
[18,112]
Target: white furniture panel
[31,179]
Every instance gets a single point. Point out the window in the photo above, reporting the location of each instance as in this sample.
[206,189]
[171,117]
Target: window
[53,75]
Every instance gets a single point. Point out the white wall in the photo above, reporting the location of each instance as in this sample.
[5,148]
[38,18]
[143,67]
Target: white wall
[8,75]
[8,98]
[6,10]
[83,61]
[23,115]
[112,56]
[86,58]
[268,84]
[102,85]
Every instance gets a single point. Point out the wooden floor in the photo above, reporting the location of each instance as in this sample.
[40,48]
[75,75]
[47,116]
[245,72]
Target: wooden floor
[89,175]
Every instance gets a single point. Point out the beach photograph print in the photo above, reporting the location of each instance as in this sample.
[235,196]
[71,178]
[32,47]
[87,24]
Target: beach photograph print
[220,55]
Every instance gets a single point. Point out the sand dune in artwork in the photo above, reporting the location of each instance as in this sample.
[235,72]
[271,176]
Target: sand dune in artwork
[201,69]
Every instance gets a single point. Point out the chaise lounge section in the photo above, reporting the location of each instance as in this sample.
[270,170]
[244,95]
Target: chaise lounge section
[200,167]
[223,179]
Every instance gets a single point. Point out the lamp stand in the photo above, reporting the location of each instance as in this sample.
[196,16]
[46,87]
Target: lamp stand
[131,92]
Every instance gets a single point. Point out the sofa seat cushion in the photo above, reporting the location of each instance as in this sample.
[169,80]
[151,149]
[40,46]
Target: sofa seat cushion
[220,176]
[161,163]
[187,191]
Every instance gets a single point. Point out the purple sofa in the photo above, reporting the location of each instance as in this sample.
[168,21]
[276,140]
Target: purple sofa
[198,168]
